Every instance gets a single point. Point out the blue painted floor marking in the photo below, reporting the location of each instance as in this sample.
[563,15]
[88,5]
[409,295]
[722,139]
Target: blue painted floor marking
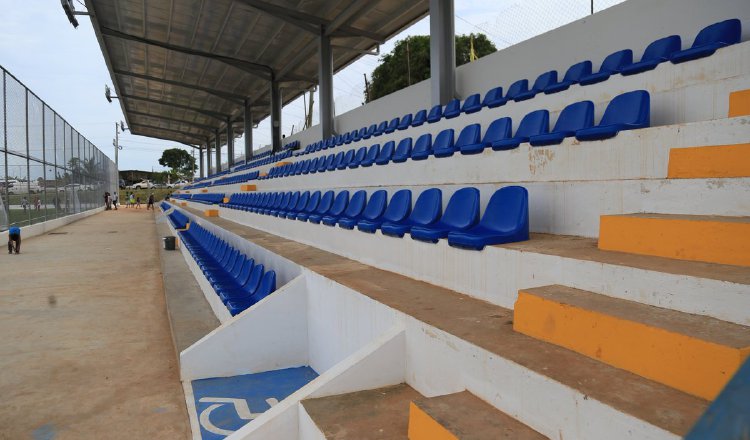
[225,404]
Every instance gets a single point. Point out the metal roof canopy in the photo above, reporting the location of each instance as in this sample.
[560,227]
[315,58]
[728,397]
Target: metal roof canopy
[183,67]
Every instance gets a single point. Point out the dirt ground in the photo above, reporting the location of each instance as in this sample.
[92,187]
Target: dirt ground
[86,351]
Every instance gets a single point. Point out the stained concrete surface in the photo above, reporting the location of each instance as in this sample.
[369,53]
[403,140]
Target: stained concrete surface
[85,351]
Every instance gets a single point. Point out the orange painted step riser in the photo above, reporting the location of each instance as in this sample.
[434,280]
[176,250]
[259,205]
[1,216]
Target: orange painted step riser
[424,427]
[718,161]
[248,188]
[211,213]
[693,240]
[739,103]
[688,364]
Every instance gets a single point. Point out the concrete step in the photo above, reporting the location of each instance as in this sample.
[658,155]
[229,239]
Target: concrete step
[692,353]
[718,161]
[381,413]
[739,103]
[463,416]
[711,239]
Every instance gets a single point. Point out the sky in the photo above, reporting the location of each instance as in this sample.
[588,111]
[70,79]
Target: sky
[65,67]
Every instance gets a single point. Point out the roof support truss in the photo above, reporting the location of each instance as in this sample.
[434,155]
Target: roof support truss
[236,99]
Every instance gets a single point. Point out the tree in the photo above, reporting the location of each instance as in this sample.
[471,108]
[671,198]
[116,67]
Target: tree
[409,62]
[180,161]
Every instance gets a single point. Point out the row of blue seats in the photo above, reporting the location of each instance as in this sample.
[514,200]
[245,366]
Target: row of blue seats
[706,42]
[165,206]
[240,178]
[198,185]
[181,196]
[208,198]
[176,218]
[625,112]
[266,159]
[505,220]
[237,279]
[292,145]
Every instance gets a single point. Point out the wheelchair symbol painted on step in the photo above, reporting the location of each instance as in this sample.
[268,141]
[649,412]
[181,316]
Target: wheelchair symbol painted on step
[240,406]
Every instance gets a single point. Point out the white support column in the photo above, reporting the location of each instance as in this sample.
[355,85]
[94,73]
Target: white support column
[275,115]
[248,122]
[325,85]
[442,51]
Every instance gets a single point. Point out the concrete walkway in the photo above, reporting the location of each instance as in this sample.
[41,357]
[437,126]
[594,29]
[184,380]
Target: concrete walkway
[86,351]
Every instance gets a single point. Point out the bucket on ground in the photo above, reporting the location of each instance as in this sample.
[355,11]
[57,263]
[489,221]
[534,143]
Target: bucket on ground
[169,243]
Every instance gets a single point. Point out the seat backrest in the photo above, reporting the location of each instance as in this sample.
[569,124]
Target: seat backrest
[405,121]
[251,285]
[372,153]
[520,86]
[338,160]
[471,134]
[453,107]
[306,166]
[727,32]
[312,204]
[420,117]
[544,80]
[356,204]
[492,95]
[266,286]
[393,125]
[536,122]
[381,127]
[293,201]
[339,203]
[404,148]
[370,131]
[629,108]
[302,201]
[471,101]
[359,156]
[362,133]
[247,267]
[375,205]
[314,164]
[387,151]
[423,144]
[436,112]
[575,117]
[347,158]
[325,203]
[428,207]
[578,70]
[463,208]
[285,200]
[399,207]
[444,140]
[499,129]
[616,61]
[662,48]
[507,210]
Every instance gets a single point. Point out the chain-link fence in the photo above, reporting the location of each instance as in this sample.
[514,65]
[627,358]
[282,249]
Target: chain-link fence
[47,169]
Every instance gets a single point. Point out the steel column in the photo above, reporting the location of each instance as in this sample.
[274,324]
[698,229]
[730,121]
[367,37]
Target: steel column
[248,122]
[217,167]
[275,115]
[325,85]
[208,157]
[442,51]
[230,144]
[200,163]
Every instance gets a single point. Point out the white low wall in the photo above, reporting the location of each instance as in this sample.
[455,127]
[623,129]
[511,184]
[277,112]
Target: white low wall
[50,225]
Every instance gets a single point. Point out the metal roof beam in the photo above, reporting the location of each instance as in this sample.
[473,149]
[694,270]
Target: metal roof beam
[171,139]
[169,130]
[237,99]
[165,118]
[259,70]
[211,114]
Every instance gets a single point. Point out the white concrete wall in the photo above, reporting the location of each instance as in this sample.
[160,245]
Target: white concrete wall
[50,225]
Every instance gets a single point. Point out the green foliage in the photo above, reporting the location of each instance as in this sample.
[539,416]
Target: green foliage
[180,161]
[409,62]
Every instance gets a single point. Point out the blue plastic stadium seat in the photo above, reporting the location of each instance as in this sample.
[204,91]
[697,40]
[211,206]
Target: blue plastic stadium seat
[284,202]
[470,135]
[472,104]
[371,156]
[361,134]
[574,117]
[311,206]
[369,131]
[517,88]
[348,137]
[405,122]
[505,220]
[336,164]
[340,204]
[625,112]
[452,109]
[305,166]
[494,98]
[656,52]
[399,208]
[358,158]
[293,201]
[572,76]
[436,114]
[386,153]
[348,157]
[403,151]
[709,39]
[543,81]
[427,210]
[422,147]
[291,213]
[323,207]
[461,214]
[373,210]
[419,118]
[381,128]
[534,123]
[392,126]
[499,130]
[266,286]
[313,166]
[443,145]
[611,65]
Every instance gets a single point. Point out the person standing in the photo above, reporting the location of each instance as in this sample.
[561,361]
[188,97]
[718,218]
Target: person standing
[38,204]
[150,204]
[115,199]
[14,239]
[106,201]
[24,203]
[138,202]
[132,199]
